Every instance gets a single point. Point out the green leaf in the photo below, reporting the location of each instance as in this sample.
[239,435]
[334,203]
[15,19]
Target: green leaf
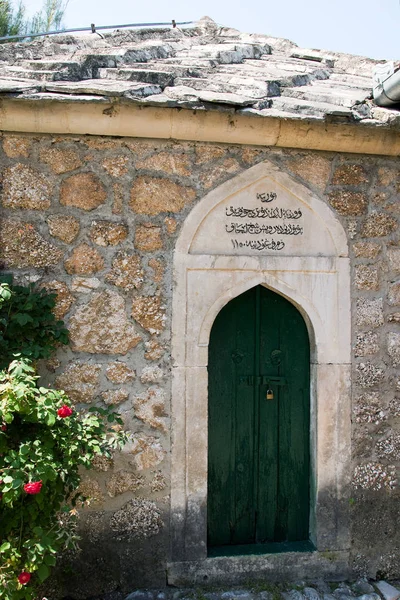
[38,531]
[50,560]
[5,546]
[23,319]
[50,419]
[43,572]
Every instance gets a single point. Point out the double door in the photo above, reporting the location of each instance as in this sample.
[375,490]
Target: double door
[259,415]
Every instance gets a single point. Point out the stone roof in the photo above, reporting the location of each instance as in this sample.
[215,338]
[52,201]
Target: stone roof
[205,67]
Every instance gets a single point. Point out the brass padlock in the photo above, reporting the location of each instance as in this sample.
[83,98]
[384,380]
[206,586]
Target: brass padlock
[270,395]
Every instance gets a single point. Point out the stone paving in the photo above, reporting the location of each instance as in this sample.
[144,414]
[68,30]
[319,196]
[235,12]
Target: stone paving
[362,589]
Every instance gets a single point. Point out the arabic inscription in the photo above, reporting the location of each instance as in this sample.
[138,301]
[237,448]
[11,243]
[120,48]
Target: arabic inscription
[271,224]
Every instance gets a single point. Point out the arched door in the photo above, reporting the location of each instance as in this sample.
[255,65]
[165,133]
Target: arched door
[259,421]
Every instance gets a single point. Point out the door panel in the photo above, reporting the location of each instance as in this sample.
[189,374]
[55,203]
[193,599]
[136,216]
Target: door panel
[231,440]
[258,461]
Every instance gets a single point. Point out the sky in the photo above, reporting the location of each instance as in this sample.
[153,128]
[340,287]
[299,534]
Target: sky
[364,27]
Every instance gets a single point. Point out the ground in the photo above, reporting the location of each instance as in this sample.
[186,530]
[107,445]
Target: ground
[362,589]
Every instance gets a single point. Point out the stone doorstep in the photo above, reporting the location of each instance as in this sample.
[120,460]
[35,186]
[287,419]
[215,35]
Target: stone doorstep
[362,589]
[238,570]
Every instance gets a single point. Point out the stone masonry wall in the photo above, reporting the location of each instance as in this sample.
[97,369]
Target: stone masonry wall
[95,220]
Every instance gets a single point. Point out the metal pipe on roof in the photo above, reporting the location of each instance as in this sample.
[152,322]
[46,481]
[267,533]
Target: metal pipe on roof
[386,89]
[93,29]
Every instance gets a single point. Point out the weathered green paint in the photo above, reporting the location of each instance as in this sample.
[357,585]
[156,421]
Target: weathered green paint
[258,459]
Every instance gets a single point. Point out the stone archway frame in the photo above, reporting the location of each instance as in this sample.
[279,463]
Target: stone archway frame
[318,284]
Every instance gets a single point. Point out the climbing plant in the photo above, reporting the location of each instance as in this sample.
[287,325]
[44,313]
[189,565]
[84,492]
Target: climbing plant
[44,441]
[28,326]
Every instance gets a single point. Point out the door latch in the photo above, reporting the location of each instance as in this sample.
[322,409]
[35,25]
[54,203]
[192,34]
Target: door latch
[262,380]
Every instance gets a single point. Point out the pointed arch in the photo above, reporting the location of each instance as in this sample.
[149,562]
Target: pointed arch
[311,318]
[314,275]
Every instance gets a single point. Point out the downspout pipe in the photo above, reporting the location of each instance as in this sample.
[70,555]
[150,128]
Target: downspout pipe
[386,90]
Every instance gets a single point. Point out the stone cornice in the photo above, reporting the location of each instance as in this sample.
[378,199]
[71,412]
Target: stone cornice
[130,120]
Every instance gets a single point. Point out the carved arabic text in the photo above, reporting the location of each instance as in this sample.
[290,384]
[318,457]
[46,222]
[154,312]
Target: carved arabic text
[263,244]
[267,196]
[256,229]
[262,212]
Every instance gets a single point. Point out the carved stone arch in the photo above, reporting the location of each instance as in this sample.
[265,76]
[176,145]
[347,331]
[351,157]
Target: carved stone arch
[308,264]
[311,317]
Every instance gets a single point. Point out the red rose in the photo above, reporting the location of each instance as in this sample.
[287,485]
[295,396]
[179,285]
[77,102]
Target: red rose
[4,427]
[24,577]
[33,488]
[64,411]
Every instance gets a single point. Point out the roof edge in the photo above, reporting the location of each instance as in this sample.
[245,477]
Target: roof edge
[129,120]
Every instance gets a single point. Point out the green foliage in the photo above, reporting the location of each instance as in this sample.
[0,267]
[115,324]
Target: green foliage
[49,17]
[43,444]
[13,21]
[27,324]
[38,444]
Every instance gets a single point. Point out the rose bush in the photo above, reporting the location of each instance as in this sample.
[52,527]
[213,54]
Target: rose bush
[43,443]
[28,326]
[40,454]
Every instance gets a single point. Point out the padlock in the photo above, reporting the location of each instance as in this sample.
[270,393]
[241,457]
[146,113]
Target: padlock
[270,395]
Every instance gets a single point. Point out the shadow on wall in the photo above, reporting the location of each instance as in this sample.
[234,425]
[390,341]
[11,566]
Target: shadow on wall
[375,539]
[128,549]
[119,552]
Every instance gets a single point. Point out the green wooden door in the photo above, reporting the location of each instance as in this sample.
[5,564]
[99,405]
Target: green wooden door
[258,457]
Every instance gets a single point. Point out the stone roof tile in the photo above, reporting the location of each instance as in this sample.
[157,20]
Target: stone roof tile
[206,67]
[104,87]
[10,86]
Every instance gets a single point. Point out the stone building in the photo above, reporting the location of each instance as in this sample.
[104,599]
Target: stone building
[218,214]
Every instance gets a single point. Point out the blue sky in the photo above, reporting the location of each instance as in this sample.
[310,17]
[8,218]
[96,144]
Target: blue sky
[365,27]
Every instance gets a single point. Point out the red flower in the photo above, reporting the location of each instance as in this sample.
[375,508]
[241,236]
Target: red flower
[4,427]
[24,577]
[64,411]
[33,488]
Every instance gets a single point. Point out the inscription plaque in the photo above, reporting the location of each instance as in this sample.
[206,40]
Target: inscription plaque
[264,218]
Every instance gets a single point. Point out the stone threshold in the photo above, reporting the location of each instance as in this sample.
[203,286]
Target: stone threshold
[236,570]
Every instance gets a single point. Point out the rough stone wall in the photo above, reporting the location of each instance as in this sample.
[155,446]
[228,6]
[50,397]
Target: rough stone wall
[96,219]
